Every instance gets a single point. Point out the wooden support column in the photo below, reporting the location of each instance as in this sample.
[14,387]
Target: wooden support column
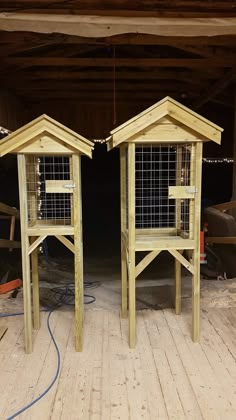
[234,156]
[123,216]
[25,253]
[78,248]
[35,281]
[196,252]
[131,242]
[178,267]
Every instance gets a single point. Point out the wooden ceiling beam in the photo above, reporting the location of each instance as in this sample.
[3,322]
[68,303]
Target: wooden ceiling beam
[102,26]
[128,13]
[160,74]
[123,39]
[104,86]
[119,62]
[215,89]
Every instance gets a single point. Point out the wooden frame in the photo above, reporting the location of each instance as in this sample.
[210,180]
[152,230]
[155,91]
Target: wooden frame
[11,214]
[148,127]
[45,136]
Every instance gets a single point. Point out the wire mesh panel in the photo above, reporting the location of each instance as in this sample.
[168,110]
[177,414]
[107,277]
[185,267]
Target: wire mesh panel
[44,204]
[185,180]
[156,169]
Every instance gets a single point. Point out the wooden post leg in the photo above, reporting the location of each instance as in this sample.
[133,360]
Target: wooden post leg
[12,230]
[196,298]
[123,282]
[177,287]
[27,295]
[35,281]
[78,299]
[132,298]
[78,247]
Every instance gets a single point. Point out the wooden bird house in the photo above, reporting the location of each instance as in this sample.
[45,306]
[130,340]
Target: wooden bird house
[48,156]
[160,169]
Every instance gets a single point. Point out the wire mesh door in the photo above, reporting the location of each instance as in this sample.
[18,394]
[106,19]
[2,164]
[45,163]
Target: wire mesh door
[159,170]
[49,190]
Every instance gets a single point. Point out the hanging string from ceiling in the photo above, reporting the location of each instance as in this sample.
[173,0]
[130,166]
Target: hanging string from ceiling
[114,85]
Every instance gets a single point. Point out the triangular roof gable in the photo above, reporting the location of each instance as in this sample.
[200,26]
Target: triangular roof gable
[165,107]
[41,125]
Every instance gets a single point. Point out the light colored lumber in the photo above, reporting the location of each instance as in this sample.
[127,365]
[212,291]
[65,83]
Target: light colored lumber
[156,231]
[45,144]
[177,392]
[234,154]
[123,216]
[178,284]
[35,281]
[171,109]
[25,253]
[131,244]
[182,260]
[181,191]
[40,126]
[36,243]
[192,182]
[171,132]
[103,26]
[78,252]
[150,243]
[178,280]
[59,186]
[145,262]
[219,398]
[66,242]
[40,230]
[196,252]
[75,385]
[149,334]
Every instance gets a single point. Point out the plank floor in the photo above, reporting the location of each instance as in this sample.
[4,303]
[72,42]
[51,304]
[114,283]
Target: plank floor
[165,377]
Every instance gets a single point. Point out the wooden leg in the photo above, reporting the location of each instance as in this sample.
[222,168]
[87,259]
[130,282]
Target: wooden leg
[12,230]
[35,280]
[78,299]
[27,295]
[196,298]
[123,282]
[177,287]
[132,303]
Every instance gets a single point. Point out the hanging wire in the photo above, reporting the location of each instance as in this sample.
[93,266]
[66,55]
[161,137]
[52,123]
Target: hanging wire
[114,85]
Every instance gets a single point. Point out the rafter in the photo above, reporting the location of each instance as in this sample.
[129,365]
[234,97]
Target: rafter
[100,26]
[215,88]
[119,62]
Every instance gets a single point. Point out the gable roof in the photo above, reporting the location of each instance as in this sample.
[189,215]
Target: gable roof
[41,126]
[166,107]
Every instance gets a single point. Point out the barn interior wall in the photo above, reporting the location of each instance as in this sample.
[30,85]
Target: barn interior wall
[12,111]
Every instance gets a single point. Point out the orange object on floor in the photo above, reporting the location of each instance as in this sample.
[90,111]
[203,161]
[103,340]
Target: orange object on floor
[10,285]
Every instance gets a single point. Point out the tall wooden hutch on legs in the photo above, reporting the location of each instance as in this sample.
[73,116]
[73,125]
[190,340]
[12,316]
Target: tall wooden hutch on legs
[160,175]
[49,173]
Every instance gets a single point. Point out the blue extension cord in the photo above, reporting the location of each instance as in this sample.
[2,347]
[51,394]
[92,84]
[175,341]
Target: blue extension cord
[62,300]
[58,365]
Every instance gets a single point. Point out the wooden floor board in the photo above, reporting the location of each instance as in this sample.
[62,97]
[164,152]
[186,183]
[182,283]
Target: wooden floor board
[217,396]
[166,376]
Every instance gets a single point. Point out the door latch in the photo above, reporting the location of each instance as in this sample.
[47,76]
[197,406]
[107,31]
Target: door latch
[69,186]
